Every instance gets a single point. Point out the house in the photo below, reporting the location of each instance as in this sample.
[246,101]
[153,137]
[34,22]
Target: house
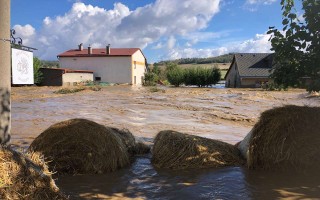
[64,77]
[113,65]
[249,70]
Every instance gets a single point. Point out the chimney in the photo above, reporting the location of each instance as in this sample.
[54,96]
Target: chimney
[108,49]
[89,50]
[80,47]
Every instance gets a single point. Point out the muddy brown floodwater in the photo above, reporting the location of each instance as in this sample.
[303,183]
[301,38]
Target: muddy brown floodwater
[223,114]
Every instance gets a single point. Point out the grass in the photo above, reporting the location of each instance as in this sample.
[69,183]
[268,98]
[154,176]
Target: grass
[69,90]
[78,89]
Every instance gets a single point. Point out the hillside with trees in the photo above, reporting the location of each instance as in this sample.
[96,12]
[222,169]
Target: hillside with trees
[226,58]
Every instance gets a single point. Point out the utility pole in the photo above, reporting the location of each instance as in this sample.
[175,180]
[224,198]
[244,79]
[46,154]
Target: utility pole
[5,72]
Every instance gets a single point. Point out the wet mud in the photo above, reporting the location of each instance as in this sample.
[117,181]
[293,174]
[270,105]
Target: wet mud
[223,114]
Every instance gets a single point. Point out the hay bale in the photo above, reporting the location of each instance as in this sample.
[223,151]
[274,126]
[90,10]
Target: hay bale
[176,150]
[25,176]
[141,148]
[127,138]
[79,146]
[285,138]
[133,147]
[243,145]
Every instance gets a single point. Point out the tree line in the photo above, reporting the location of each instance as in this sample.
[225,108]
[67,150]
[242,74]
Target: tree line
[227,58]
[175,75]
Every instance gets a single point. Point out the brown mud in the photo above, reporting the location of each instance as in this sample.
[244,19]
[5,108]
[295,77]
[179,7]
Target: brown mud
[223,114]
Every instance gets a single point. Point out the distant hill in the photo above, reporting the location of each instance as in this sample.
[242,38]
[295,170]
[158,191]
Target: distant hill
[226,58]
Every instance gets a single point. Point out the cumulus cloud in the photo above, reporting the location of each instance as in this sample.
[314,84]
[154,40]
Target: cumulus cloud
[120,26]
[265,2]
[259,44]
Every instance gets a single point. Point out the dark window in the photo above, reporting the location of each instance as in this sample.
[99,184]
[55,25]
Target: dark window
[98,78]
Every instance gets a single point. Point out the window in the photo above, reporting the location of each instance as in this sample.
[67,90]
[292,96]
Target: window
[135,80]
[98,78]
[135,64]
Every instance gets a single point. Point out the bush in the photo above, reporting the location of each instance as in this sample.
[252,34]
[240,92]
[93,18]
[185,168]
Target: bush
[202,76]
[274,86]
[69,90]
[175,75]
[150,79]
[314,86]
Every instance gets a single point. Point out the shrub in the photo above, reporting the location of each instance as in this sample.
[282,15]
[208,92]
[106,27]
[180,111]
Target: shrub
[314,86]
[175,75]
[150,79]
[202,76]
[69,90]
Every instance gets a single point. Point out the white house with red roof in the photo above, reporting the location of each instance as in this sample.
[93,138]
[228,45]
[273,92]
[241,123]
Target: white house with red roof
[112,65]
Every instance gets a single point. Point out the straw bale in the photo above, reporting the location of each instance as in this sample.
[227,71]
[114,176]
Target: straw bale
[141,148]
[286,138]
[79,146]
[26,176]
[127,138]
[176,150]
[133,147]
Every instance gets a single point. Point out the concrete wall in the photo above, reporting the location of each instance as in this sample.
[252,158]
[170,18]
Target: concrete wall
[233,79]
[110,69]
[70,78]
[253,82]
[138,68]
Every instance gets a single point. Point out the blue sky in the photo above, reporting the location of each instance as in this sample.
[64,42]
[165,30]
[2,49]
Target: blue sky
[163,29]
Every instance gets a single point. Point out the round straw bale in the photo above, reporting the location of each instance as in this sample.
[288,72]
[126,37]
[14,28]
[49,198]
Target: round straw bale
[133,147]
[285,138]
[81,146]
[127,138]
[25,176]
[141,148]
[176,150]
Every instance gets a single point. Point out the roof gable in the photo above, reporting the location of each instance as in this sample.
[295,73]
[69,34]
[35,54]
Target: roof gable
[254,64]
[99,52]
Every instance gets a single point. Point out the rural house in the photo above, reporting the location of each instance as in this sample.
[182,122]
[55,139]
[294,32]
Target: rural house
[112,65]
[249,70]
[64,77]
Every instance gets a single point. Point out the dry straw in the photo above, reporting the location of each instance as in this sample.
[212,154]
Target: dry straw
[81,146]
[286,137]
[176,150]
[133,147]
[25,176]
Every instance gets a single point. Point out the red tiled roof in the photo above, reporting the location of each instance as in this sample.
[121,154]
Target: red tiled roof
[99,52]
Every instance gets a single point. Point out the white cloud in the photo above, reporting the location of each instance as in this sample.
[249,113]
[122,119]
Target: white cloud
[119,26]
[265,2]
[259,44]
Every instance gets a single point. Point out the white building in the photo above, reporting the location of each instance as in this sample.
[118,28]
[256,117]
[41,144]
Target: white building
[113,65]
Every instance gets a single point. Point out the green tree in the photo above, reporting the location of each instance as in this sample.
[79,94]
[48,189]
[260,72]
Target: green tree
[175,74]
[150,79]
[38,76]
[297,45]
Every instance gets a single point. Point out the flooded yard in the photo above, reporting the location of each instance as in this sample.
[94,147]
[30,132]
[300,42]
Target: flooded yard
[223,114]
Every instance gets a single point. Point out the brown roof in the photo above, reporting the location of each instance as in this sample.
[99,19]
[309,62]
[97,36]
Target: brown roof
[253,64]
[99,52]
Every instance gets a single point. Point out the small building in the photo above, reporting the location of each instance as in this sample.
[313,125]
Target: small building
[64,77]
[112,65]
[249,70]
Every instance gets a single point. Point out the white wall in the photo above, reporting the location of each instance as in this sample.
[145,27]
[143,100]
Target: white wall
[76,77]
[233,77]
[110,69]
[138,67]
